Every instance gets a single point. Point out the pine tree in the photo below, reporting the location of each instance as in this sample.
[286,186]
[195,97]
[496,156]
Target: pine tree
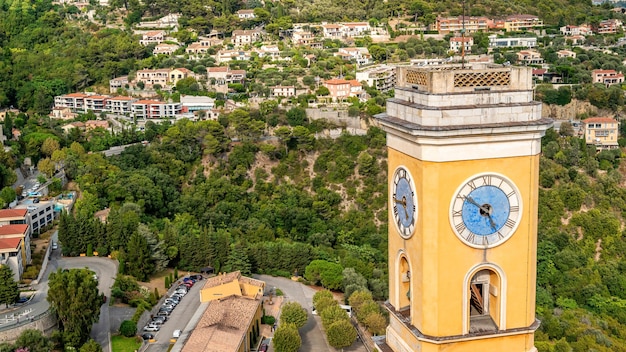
[238,260]
[9,292]
[138,260]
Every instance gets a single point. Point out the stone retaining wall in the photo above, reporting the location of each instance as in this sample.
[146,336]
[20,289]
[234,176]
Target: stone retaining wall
[45,323]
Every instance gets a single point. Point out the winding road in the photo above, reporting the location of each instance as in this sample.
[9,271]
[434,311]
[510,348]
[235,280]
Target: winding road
[103,267]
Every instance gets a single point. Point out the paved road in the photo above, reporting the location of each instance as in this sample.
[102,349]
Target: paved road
[103,267]
[312,335]
[178,319]
[313,338]
[106,270]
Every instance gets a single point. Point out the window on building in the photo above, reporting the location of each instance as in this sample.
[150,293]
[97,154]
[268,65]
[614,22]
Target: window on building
[484,301]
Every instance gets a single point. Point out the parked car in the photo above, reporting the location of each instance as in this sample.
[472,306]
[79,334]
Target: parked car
[176,334]
[151,327]
[182,287]
[263,347]
[180,293]
[164,313]
[187,279]
[188,284]
[197,277]
[170,301]
[156,322]
[147,336]
[166,309]
[161,318]
[54,246]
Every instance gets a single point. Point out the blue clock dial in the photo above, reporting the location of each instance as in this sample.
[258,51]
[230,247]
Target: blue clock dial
[485,211]
[403,202]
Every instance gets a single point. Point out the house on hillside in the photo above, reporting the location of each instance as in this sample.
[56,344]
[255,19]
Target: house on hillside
[152,37]
[602,132]
[246,14]
[607,77]
[459,44]
[529,57]
[165,49]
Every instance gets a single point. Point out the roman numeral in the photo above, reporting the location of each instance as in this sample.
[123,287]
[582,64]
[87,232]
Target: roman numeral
[500,235]
[471,185]
[511,194]
[460,227]
[514,209]
[395,210]
[485,241]
[402,173]
[470,237]
[457,213]
[510,223]
[487,180]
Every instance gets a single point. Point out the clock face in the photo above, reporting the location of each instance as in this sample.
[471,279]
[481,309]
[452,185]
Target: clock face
[486,210]
[403,202]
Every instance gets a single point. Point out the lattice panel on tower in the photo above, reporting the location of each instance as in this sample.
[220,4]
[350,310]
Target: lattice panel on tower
[416,77]
[482,79]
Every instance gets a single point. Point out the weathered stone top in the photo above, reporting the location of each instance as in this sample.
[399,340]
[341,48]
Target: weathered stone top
[448,79]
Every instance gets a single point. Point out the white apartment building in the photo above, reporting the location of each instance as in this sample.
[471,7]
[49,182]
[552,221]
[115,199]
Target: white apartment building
[154,109]
[495,42]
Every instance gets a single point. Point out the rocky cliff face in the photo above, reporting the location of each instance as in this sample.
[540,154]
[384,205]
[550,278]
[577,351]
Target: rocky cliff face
[574,110]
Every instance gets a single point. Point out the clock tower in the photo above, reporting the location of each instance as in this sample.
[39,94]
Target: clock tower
[463,151]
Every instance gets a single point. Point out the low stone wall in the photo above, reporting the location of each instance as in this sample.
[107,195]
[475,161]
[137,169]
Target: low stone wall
[339,116]
[45,323]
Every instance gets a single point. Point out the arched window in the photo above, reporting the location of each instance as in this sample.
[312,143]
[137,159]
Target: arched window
[403,284]
[485,298]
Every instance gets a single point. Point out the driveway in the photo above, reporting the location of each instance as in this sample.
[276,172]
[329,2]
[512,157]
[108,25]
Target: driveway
[106,269]
[178,320]
[313,337]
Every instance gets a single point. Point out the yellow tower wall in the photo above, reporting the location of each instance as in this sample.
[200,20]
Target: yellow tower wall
[440,263]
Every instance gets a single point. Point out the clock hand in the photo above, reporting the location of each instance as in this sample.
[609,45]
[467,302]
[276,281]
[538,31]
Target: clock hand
[492,223]
[472,201]
[403,202]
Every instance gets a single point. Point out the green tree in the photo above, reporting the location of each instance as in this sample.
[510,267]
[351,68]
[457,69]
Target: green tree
[7,195]
[49,146]
[286,338]
[375,323]
[9,293]
[91,346]
[73,296]
[341,333]
[332,314]
[34,341]
[238,260]
[322,295]
[138,258]
[128,328]
[324,272]
[293,313]
[296,116]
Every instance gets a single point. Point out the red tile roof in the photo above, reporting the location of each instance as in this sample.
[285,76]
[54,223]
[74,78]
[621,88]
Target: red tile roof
[599,120]
[217,69]
[121,98]
[12,213]
[336,81]
[13,229]
[10,243]
[147,102]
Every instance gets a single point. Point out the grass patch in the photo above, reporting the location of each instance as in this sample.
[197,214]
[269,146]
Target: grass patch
[120,343]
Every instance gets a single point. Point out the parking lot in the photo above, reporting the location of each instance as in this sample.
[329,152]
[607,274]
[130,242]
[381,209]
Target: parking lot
[177,320]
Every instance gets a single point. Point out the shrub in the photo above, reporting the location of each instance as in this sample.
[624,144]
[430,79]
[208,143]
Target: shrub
[268,320]
[128,328]
[89,250]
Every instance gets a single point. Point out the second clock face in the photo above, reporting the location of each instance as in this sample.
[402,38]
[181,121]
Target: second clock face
[485,211]
[403,202]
